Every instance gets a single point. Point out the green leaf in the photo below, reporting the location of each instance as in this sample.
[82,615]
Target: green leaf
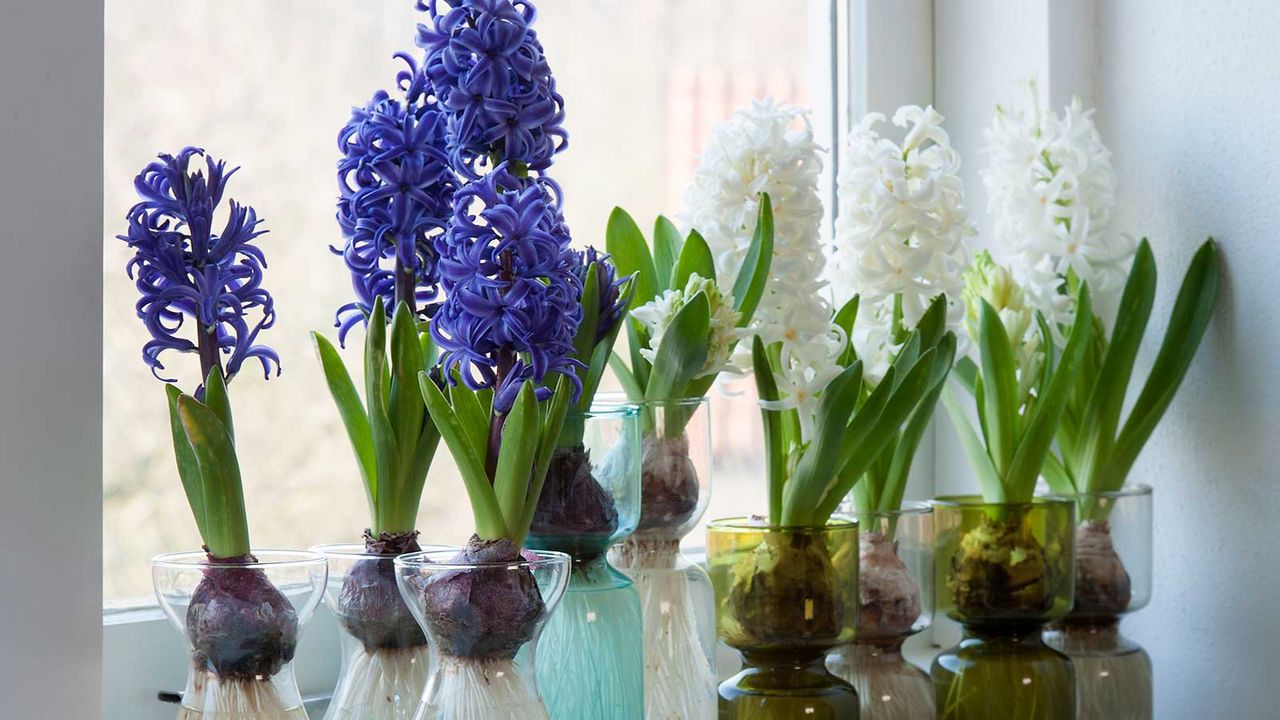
[683,352]
[630,385]
[1057,476]
[584,341]
[933,323]
[844,319]
[904,450]
[1000,383]
[385,451]
[695,257]
[484,503]
[905,397]
[630,254]
[979,460]
[666,249]
[749,286]
[407,412]
[225,523]
[1192,311]
[1020,478]
[966,372]
[1102,415]
[516,457]
[817,471]
[471,414]
[552,425]
[350,410]
[188,466]
[215,396]
[775,455]
[637,339]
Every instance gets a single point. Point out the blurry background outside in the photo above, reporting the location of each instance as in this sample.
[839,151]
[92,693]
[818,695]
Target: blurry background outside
[266,84]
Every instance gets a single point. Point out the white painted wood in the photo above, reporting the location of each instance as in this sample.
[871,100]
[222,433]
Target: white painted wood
[51,372]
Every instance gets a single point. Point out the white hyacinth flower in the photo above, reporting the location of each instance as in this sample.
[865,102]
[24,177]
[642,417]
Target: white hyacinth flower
[900,231]
[657,314]
[770,148]
[985,280]
[1051,193]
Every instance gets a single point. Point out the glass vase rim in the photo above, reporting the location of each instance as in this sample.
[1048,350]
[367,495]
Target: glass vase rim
[1127,490]
[908,508]
[607,405]
[661,403]
[977,501]
[358,550]
[423,559]
[743,524]
[277,558]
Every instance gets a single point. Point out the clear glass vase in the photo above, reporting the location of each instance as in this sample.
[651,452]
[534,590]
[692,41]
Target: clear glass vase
[385,654]
[1113,578]
[785,596]
[1003,571]
[241,620]
[590,659]
[895,601]
[483,621]
[676,599]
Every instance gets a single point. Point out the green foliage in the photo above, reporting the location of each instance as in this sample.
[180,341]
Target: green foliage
[207,464]
[503,503]
[391,433]
[677,369]
[1097,447]
[1017,432]
[855,424]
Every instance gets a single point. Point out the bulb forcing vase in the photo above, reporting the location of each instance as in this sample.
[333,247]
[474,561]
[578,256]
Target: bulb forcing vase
[482,614]
[676,599]
[895,601]
[590,660]
[385,655]
[1003,571]
[241,620]
[785,596]
[1113,578]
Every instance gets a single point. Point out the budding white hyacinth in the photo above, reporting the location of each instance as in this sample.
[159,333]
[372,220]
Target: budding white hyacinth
[994,283]
[1051,192]
[769,148]
[657,314]
[900,231]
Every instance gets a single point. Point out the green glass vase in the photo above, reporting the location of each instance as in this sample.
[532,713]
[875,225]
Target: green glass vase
[590,659]
[784,598]
[1004,570]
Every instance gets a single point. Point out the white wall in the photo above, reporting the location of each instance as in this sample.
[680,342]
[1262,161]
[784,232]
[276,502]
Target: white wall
[51,371]
[1188,96]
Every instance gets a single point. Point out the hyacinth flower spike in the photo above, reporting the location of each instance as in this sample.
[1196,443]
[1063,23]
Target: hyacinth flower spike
[395,193]
[201,293]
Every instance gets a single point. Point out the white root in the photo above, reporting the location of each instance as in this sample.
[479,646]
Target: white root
[467,689]
[210,697]
[383,685]
[679,680]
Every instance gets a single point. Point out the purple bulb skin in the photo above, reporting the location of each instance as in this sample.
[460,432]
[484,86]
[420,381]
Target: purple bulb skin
[483,612]
[240,626]
[369,603]
[575,515]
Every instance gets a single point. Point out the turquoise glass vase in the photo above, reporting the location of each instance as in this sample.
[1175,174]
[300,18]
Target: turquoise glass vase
[590,661]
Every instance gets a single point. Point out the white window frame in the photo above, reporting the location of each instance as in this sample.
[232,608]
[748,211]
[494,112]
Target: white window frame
[884,53]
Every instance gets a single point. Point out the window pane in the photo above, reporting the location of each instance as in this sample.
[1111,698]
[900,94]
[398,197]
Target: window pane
[266,85]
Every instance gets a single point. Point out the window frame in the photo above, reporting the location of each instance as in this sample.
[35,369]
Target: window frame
[863,42]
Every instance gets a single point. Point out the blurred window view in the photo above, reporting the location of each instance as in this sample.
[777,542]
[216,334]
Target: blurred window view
[265,85]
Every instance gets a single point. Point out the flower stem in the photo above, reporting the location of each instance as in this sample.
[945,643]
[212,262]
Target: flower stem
[207,345]
[406,287]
